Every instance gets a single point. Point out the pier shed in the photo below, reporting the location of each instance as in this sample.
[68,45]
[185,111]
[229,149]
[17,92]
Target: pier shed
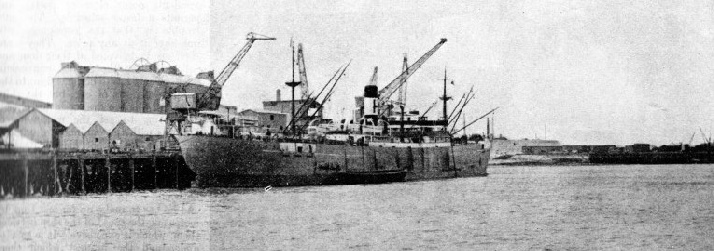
[98,130]
[31,123]
[71,138]
[96,137]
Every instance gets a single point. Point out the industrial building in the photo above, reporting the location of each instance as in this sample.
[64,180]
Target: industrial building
[28,127]
[266,120]
[304,109]
[141,90]
[504,147]
[96,130]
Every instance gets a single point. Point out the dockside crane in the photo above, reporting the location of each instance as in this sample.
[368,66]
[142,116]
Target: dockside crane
[183,104]
[211,100]
[389,89]
[402,95]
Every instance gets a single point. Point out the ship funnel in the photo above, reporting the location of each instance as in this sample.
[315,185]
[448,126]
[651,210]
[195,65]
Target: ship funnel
[371,94]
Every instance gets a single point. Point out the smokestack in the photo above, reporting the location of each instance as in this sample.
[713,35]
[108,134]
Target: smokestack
[277,95]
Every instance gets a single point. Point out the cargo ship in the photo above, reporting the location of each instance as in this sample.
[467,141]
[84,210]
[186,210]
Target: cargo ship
[370,150]
[223,161]
[374,150]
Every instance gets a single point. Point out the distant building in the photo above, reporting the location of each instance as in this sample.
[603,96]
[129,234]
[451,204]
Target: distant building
[638,148]
[230,122]
[305,109]
[502,146]
[587,148]
[266,120]
[542,150]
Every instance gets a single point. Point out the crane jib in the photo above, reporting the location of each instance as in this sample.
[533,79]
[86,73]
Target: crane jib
[394,85]
[388,90]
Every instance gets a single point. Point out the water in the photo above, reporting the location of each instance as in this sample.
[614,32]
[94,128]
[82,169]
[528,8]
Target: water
[515,208]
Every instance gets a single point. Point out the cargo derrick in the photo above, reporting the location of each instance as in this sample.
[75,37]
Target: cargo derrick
[211,100]
[389,89]
[305,95]
[183,104]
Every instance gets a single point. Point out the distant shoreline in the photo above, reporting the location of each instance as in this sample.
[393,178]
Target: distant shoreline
[541,160]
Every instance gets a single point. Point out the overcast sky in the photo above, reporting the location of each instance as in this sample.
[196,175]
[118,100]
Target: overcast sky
[602,72]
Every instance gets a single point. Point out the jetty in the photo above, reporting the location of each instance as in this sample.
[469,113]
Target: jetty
[57,173]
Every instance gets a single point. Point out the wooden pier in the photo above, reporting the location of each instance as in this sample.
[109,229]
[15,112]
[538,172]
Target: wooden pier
[52,173]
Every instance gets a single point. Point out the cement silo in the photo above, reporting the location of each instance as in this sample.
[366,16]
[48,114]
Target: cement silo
[102,90]
[154,100]
[132,92]
[68,87]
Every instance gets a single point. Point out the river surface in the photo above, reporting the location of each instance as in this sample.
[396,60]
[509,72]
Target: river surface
[514,208]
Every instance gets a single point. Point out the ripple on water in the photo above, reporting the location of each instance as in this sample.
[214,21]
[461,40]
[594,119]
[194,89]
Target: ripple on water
[559,207]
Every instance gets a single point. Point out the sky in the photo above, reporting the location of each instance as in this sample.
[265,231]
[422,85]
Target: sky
[582,72]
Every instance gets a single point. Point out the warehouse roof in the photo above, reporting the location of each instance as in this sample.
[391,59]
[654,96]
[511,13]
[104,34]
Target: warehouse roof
[9,113]
[140,123]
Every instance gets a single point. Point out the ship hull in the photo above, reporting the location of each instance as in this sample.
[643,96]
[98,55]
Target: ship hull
[228,162]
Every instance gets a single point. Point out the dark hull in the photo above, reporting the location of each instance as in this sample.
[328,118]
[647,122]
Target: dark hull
[227,162]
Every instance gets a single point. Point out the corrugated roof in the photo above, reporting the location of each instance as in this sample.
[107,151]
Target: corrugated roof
[9,113]
[140,123]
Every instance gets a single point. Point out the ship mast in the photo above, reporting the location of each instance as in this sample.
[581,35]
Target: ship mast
[292,84]
[445,99]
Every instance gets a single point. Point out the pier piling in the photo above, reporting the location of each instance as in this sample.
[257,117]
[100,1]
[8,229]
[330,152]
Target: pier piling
[131,168]
[68,180]
[26,172]
[176,166]
[80,164]
[51,173]
[58,187]
[108,164]
[154,169]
